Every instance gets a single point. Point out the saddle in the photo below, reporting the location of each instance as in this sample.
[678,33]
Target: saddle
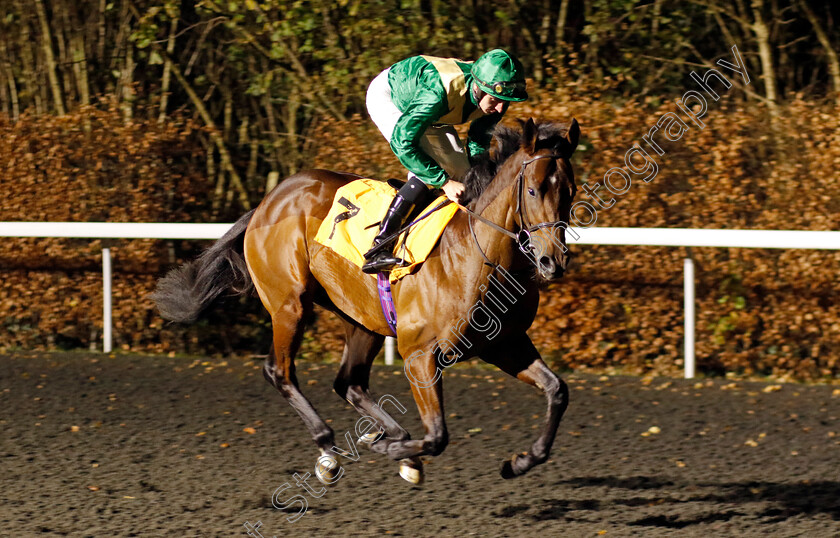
[357,210]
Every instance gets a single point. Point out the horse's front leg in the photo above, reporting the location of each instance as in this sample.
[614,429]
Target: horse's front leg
[519,358]
[427,388]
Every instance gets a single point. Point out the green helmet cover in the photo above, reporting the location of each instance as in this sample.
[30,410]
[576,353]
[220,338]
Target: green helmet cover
[501,75]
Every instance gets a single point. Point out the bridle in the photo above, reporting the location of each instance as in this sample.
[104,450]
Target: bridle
[523,237]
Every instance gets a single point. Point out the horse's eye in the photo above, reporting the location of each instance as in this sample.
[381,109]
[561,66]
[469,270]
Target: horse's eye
[531,192]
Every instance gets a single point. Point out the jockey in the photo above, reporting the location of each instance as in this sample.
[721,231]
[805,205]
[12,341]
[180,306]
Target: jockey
[415,104]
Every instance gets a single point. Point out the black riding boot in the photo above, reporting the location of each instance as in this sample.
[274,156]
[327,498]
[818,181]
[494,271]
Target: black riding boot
[382,259]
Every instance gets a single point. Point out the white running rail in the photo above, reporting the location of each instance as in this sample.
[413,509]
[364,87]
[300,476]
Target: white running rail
[665,237]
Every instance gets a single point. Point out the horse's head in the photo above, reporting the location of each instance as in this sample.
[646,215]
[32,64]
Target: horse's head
[543,193]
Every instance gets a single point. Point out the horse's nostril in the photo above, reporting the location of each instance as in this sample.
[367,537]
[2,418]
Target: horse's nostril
[547,263]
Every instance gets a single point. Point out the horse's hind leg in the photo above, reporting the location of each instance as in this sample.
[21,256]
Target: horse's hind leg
[352,384]
[279,370]
[353,379]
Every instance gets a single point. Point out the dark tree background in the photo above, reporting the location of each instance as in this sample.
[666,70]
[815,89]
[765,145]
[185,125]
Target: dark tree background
[257,74]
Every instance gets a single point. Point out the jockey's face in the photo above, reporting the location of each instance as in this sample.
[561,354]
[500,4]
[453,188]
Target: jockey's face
[490,104]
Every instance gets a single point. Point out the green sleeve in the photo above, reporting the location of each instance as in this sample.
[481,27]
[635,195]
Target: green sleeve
[481,133]
[427,106]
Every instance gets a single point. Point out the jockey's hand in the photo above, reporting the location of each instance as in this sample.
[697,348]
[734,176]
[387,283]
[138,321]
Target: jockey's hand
[453,189]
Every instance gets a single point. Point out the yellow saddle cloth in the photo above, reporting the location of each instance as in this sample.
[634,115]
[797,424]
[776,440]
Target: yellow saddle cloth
[363,202]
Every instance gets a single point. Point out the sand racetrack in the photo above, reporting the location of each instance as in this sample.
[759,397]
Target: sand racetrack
[155,446]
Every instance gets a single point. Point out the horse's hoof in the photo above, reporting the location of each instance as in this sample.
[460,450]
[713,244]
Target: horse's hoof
[508,470]
[371,437]
[411,470]
[328,468]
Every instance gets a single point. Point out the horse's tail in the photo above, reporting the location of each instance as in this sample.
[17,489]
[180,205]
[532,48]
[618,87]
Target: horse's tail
[186,291]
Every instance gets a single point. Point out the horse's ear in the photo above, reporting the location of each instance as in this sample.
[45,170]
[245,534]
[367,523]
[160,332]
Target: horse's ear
[573,136]
[529,135]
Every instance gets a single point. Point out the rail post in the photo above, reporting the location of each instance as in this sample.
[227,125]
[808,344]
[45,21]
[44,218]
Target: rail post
[688,300]
[390,342]
[106,300]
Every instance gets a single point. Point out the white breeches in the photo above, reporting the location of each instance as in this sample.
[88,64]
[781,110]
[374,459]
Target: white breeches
[441,143]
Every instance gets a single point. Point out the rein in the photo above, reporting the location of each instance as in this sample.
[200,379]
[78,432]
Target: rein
[521,238]
[383,283]
[524,235]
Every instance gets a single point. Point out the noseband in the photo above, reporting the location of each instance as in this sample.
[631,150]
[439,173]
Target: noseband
[523,237]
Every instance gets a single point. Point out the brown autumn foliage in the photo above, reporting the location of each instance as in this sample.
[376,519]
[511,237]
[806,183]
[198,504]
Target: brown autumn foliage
[87,166]
[759,311]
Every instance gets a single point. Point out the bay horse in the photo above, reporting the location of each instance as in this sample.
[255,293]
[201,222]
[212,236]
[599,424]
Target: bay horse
[520,191]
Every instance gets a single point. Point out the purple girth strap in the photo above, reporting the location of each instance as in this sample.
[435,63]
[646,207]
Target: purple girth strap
[387,301]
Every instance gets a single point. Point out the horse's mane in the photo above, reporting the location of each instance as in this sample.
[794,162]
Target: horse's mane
[508,141]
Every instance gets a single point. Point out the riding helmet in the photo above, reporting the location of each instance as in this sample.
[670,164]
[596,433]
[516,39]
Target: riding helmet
[501,75]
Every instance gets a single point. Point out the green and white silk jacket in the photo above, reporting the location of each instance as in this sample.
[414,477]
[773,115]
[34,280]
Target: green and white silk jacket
[433,91]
